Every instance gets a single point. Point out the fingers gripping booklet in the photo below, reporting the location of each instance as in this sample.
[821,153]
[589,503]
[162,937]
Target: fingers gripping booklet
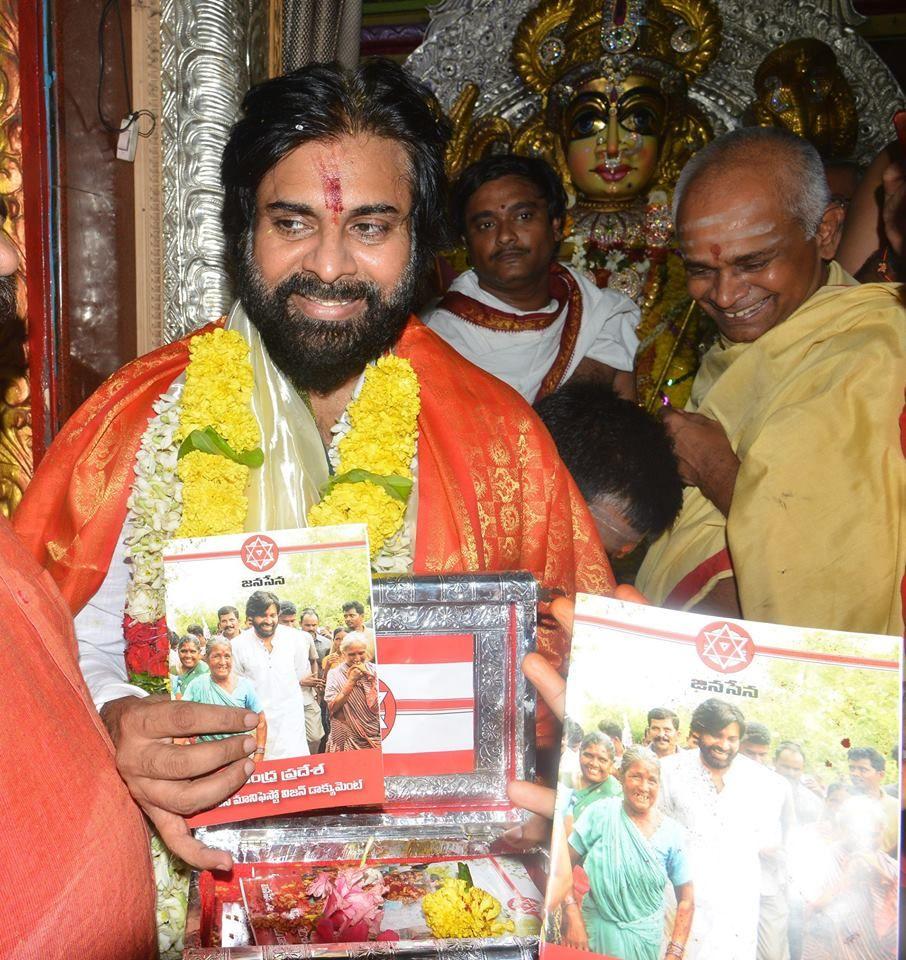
[727,790]
[248,615]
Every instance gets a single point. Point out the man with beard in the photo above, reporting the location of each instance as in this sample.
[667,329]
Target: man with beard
[274,658]
[733,809]
[333,187]
[67,812]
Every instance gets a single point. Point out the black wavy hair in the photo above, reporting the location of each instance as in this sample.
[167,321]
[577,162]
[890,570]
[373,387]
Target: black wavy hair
[537,171]
[712,715]
[663,713]
[260,602]
[615,450]
[325,102]
[758,734]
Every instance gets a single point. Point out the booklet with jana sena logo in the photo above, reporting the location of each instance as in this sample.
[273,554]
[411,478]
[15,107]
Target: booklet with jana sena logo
[728,789]
[319,734]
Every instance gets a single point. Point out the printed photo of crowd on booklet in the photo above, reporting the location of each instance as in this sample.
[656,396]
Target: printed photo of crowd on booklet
[239,639]
[728,790]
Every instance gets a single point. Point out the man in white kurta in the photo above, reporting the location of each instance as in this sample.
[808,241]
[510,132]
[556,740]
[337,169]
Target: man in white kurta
[517,314]
[275,660]
[523,358]
[731,819]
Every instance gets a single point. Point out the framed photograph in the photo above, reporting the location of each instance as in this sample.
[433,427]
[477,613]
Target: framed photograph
[728,789]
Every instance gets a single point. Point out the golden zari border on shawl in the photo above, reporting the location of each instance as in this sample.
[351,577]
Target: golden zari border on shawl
[564,290]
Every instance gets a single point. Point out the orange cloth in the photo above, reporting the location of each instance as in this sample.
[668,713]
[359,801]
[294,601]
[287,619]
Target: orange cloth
[73,510]
[75,865]
[493,493]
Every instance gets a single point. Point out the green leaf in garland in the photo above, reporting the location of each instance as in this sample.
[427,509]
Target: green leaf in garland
[210,441]
[150,683]
[395,486]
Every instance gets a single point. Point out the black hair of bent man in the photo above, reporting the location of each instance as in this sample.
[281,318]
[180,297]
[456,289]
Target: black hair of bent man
[615,450]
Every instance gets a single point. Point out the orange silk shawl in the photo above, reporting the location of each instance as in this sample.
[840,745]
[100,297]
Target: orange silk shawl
[493,493]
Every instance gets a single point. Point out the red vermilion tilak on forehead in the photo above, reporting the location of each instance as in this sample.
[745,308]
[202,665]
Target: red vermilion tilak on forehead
[715,251]
[331,187]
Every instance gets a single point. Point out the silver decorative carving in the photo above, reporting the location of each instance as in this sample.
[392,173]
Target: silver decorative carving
[470,40]
[211,50]
[521,948]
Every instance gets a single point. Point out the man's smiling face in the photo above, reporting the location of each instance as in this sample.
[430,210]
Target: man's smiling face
[748,262]
[718,750]
[330,279]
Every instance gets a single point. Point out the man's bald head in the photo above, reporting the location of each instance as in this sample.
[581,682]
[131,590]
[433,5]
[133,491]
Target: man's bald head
[784,162]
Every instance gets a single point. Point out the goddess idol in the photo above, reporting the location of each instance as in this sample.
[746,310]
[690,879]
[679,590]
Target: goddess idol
[616,121]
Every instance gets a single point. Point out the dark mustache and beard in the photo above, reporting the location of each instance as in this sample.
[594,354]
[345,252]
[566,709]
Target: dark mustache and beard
[321,355]
[7,300]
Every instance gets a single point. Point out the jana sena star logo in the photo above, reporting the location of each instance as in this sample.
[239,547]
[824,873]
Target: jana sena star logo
[259,553]
[386,708]
[725,647]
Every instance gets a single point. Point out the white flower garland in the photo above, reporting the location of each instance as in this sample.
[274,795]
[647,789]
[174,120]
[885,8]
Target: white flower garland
[154,509]
[171,877]
[154,513]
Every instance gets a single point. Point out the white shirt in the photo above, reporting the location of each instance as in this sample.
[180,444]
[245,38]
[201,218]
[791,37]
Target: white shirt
[522,359]
[727,829]
[275,675]
[99,631]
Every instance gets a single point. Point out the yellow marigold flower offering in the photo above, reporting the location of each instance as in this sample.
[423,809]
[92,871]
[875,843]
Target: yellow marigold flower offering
[460,910]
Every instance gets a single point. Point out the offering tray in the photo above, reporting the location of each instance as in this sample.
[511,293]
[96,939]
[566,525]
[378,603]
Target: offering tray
[432,826]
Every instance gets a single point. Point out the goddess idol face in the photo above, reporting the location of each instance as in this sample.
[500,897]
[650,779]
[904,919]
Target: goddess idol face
[612,137]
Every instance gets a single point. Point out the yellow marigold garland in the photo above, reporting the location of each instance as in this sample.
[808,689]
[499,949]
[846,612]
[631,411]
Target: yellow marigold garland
[218,391]
[383,417]
[381,440]
[213,495]
[217,394]
[459,909]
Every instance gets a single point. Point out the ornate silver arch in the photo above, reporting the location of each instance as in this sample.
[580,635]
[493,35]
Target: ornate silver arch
[211,51]
[469,41]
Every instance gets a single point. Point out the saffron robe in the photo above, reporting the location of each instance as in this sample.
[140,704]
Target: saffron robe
[73,844]
[816,534]
[493,493]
